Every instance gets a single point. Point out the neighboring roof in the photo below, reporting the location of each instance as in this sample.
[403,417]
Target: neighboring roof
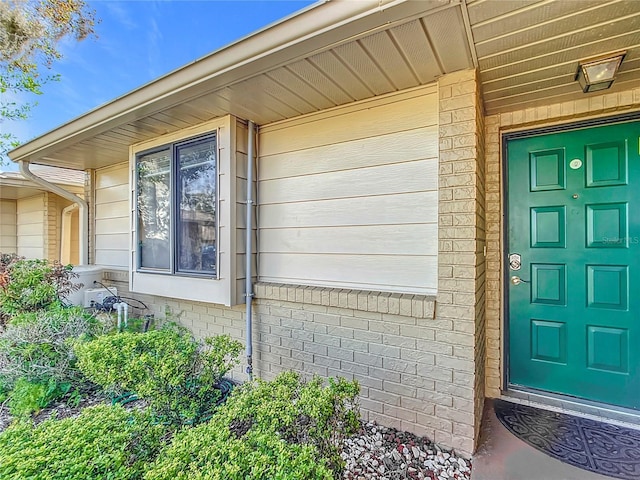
[341,51]
[59,176]
[13,185]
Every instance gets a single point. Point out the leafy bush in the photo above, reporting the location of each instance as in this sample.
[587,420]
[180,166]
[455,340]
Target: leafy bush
[280,430]
[104,442]
[167,367]
[29,397]
[6,260]
[38,346]
[30,285]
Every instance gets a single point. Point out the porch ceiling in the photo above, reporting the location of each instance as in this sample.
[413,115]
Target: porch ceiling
[528,50]
[338,52]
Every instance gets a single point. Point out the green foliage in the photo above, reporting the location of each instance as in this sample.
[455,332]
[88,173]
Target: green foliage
[38,346]
[6,260]
[31,285]
[167,367]
[4,392]
[30,31]
[104,442]
[29,397]
[137,325]
[286,429]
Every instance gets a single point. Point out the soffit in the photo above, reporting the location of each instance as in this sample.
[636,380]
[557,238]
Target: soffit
[15,189]
[528,50]
[11,191]
[405,45]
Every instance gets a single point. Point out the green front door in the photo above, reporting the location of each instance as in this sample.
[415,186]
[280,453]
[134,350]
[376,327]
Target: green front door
[574,242]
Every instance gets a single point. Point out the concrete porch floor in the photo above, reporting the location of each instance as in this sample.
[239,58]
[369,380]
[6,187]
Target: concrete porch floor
[503,456]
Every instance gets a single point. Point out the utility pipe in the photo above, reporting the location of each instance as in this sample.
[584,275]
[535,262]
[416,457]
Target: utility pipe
[118,307]
[249,247]
[66,234]
[82,204]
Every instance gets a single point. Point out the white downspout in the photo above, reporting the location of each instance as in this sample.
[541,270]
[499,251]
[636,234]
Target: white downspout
[249,247]
[82,204]
[66,234]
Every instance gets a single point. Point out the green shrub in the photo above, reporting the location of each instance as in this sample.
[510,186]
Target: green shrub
[104,442]
[31,285]
[38,346]
[280,430]
[28,397]
[6,260]
[167,367]
[4,393]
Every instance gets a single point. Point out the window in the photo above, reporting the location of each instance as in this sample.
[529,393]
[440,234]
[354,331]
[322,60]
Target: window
[176,198]
[187,208]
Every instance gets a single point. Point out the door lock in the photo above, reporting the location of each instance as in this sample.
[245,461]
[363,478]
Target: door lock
[516,280]
[515,261]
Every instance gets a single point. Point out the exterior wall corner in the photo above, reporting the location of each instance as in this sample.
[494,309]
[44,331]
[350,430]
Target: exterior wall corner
[461,261]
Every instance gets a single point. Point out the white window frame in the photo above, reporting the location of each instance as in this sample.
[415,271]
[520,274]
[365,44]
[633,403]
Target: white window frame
[220,288]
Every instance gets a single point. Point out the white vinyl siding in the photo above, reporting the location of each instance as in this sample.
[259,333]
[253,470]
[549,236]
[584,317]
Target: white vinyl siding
[8,226]
[112,216]
[348,197]
[31,221]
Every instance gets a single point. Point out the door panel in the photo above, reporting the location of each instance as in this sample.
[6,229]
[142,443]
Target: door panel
[574,218]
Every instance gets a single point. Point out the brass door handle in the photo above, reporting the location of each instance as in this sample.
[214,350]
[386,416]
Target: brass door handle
[516,280]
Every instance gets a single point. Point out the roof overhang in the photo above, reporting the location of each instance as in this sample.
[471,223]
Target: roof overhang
[249,78]
[15,187]
[338,52]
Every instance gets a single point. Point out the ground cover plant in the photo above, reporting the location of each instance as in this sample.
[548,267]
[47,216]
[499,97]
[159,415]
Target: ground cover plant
[174,373]
[286,429]
[104,442]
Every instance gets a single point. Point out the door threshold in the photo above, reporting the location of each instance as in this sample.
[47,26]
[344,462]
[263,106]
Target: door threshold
[601,412]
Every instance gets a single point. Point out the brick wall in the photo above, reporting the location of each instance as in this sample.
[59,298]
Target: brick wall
[412,373]
[589,106]
[481,265]
[461,266]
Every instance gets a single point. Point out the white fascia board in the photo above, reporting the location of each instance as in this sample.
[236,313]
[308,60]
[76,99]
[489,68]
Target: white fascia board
[317,28]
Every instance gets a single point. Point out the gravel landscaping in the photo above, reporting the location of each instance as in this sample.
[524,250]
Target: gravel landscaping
[381,453]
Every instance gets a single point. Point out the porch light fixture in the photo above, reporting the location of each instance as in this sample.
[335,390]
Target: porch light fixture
[599,73]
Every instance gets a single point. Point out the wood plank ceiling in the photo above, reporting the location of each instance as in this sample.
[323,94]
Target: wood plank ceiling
[527,52]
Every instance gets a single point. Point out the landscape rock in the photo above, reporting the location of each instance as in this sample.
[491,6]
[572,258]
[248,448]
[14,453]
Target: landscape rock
[381,453]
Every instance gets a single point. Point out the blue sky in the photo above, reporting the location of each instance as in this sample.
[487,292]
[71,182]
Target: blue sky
[137,42]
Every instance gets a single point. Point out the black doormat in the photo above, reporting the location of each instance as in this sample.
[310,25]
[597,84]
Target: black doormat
[599,447]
